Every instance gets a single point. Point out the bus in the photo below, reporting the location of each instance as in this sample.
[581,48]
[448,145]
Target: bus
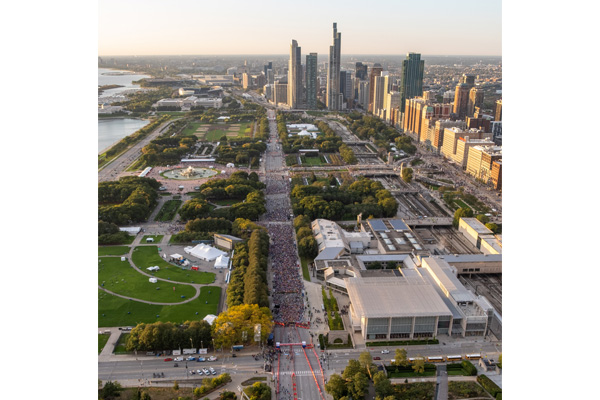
[435,359]
[413,359]
[453,358]
[473,356]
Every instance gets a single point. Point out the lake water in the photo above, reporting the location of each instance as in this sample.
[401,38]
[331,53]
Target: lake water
[111,131]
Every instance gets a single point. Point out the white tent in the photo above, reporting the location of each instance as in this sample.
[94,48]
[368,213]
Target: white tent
[155,268]
[153,280]
[210,318]
[176,256]
[205,252]
[230,165]
[222,262]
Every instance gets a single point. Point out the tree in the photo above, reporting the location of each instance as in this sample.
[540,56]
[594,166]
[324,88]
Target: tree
[464,212]
[308,247]
[401,358]
[382,384]
[419,365]
[492,227]
[228,327]
[111,390]
[407,174]
[360,383]
[484,219]
[365,359]
[336,386]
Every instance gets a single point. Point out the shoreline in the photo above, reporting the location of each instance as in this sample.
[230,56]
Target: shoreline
[124,117]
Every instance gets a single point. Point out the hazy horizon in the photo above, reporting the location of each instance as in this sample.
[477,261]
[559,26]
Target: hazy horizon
[187,27]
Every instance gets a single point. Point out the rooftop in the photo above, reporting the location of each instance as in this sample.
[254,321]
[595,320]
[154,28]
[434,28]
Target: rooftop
[398,297]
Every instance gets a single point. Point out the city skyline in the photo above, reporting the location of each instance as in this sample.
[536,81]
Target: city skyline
[147,28]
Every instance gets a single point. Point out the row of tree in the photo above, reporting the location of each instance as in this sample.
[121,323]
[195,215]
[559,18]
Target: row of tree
[354,380]
[160,336]
[307,245]
[248,283]
[167,150]
[323,201]
[130,199]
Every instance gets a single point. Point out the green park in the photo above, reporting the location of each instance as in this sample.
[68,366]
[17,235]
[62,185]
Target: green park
[148,256]
[117,311]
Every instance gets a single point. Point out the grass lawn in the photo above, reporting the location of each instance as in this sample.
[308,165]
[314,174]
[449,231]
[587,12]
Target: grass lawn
[190,129]
[311,160]
[157,238]
[112,250]
[120,346]
[168,210]
[148,256]
[305,273]
[102,339]
[113,310]
[119,277]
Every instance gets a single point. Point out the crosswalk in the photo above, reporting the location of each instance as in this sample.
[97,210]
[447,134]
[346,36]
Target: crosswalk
[300,373]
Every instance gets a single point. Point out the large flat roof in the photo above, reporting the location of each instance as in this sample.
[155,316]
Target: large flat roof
[394,297]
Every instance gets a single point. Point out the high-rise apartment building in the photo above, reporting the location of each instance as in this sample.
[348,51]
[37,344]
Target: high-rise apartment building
[461,100]
[496,175]
[294,97]
[479,162]
[379,94]
[311,81]
[268,66]
[375,72]
[392,101]
[347,86]
[475,100]
[457,143]
[440,126]
[363,94]
[333,71]
[280,93]
[498,111]
[411,82]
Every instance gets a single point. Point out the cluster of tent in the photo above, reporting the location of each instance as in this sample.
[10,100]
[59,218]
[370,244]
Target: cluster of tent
[155,268]
[209,253]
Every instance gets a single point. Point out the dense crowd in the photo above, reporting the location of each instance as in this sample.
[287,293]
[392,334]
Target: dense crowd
[287,282]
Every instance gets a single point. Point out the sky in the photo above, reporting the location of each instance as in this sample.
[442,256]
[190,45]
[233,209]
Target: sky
[188,27]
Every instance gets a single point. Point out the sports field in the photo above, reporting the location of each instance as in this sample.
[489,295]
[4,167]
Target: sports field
[214,132]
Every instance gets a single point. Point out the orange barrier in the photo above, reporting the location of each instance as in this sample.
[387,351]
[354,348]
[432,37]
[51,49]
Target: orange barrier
[313,374]
[321,367]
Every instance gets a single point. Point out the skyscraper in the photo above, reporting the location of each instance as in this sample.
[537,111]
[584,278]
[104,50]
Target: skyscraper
[311,81]
[361,71]
[411,84]
[294,98]
[375,72]
[498,111]
[333,71]
[475,100]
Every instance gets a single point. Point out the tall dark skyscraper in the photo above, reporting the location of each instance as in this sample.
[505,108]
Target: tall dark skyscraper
[411,84]
[268,66]
[333,71]
[295,76]
[311,81]
[361,71]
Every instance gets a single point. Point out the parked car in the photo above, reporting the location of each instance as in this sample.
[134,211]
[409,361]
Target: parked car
[191,358]
[212,358]
[179,359]
[168,359]
[201,359]
[377,358]
[199,372]
[212,371]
